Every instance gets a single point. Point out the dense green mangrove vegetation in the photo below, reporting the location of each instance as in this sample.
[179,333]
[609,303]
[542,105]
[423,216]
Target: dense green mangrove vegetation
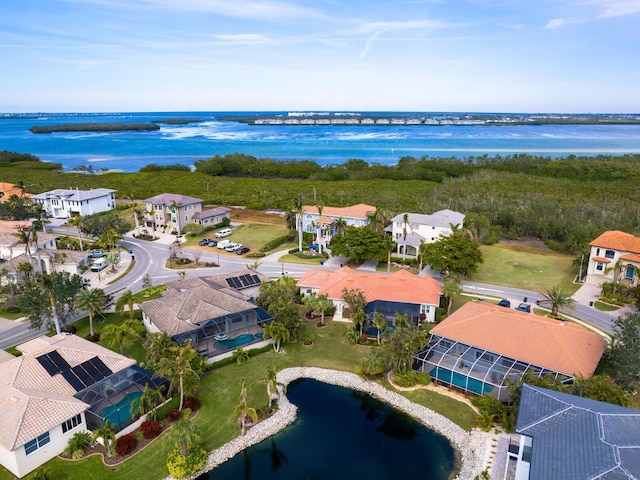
[565,202]
[95,127]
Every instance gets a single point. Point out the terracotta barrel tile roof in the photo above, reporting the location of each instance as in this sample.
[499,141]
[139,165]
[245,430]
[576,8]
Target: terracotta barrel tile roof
[617,240]
[361,210]
[563,347]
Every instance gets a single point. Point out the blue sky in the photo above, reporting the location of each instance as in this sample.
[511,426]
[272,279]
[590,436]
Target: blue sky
[392,55]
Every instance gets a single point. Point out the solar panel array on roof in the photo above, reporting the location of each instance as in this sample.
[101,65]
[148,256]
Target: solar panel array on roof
[243,281]
[79,377]
[53,363]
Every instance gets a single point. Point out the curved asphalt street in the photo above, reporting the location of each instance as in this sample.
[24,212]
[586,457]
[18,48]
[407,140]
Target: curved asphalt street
[150,258]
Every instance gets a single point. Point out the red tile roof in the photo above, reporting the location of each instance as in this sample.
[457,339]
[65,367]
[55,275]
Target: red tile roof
[617,240]
[602,259]
[563,347]
[400,286]
[631,257]
[354,211]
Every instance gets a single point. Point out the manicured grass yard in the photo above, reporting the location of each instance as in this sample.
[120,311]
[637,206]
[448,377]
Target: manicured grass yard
[219,393]
[525,267]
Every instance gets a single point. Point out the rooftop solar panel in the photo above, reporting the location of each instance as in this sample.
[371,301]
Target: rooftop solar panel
[236,283]
[47,364]
[92,370]
[58,361]
[82,374]
[102,368]
[74,381]
[229,282]
[256,279]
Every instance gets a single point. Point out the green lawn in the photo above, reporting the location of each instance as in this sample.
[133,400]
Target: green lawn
[219,393]
[525,267]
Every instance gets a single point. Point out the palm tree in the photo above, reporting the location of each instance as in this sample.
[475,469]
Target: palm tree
[147,402]
[279,332]
[378,220]
[450,290]
[339,225]
[77,222]
[127,299]
[405,223]
[175,209]
[157,346]
[557,298]
[107,435]
[323,303]
[21,187]
[271,379]
[93,301]
[152,214]
[24,236]
[380,323]
[298,208]
[120,334]
[240,355]
[138,212]
[48,284]
[244,410]
[183,435]
[183,364]
[320,209]
[34,238]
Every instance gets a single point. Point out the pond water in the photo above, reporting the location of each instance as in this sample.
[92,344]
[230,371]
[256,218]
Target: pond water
[343,434]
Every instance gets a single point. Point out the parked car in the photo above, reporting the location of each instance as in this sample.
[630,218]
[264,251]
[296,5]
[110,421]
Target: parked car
[242,250]
[524,307]
[212,243]
[224,244]
[96,254]
[504,303]
[223,233]
[203,242]
[233,247]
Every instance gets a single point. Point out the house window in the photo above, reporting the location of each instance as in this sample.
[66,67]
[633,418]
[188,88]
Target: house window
[630,272]
[599,266]
[425,309]
[71,423]
[36,443]
[609,254]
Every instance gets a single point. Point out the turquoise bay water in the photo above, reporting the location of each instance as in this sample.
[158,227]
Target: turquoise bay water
[342,434]
[324,144]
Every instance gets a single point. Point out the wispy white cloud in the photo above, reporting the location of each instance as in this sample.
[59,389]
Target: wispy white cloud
[617,8]
[560,22]
[261,9]
[244,38]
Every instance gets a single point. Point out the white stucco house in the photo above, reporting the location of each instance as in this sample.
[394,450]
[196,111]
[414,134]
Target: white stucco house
[333,219]
[211,216]
[63,203]
[410,230]
[614,257]
[61,385]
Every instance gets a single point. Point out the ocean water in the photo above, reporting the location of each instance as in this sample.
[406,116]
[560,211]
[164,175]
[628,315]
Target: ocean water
[342,434]
[324,144]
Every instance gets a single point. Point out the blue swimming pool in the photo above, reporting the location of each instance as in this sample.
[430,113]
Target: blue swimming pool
[459,380]
[236,342]
[121,411]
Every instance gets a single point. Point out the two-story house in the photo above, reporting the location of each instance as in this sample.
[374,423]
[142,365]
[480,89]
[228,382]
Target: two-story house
[614,257]
[410,230]
[170,211]
[63,203]
[334,219]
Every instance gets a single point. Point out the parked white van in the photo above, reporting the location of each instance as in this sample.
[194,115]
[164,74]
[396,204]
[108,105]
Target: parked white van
[224,244]
[223,233]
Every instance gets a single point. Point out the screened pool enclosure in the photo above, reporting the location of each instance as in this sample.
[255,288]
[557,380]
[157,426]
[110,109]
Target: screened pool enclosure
[111,399]
[227,332]
[475,370]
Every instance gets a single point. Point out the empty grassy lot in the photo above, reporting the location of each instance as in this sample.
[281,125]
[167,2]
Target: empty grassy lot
[522,266]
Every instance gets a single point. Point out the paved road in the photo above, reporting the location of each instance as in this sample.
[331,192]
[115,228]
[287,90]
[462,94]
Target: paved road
[150,258]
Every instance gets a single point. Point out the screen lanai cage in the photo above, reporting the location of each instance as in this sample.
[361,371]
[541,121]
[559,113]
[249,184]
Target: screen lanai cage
[111,399]
[227,332]
[476,370]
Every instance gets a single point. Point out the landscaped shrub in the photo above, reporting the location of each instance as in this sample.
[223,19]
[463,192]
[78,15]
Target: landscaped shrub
[181,466]
[229,360]
[275,243]
[150,429]
[406,379]
[163,411]
[192,403]
[490,405]
[69,329]
[126,444]
[174,415]
[424,378]
[77,443]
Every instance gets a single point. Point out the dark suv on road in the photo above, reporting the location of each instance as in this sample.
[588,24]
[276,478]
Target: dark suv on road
[504,303]
[524,307]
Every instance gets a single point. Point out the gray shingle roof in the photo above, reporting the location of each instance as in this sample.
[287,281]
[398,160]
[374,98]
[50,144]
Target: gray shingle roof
[441,218]
[578,438]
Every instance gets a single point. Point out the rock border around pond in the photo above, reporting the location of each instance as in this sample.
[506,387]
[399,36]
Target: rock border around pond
[471,446]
